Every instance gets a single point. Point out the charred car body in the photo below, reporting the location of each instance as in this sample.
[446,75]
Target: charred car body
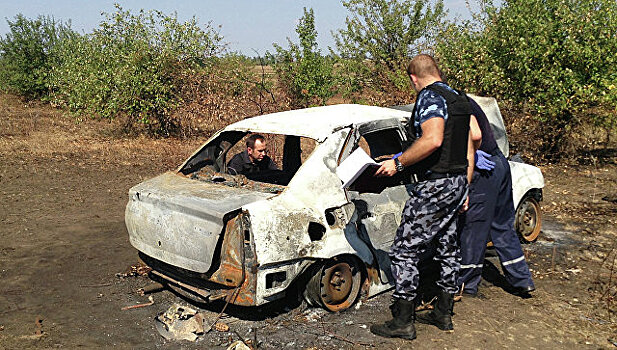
[247,240]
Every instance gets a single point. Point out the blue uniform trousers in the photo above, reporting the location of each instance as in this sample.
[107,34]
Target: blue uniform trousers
[491,218]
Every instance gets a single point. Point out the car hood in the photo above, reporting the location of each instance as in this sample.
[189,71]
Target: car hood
[179,220]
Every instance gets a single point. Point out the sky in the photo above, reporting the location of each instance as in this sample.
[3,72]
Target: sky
[249,26]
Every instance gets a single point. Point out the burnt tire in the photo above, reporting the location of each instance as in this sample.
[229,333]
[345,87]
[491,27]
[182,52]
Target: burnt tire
[528,219]
[334,285]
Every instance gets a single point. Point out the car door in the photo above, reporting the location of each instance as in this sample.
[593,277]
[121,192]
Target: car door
[379,214]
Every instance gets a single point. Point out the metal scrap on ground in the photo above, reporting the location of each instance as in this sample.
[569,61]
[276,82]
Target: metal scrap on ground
[185,323]
[151,302]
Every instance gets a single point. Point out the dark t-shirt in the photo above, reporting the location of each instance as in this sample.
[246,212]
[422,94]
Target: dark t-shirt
[242,164]
[488,139]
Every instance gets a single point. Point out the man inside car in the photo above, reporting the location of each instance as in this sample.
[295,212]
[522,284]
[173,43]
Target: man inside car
[253,160]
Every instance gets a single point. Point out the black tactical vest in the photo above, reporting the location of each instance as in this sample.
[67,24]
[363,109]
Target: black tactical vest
[451,157]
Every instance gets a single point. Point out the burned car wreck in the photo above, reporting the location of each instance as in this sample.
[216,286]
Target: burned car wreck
[211,235]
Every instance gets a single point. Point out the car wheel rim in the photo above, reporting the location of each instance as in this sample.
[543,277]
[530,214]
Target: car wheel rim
[529,220]
[340,284]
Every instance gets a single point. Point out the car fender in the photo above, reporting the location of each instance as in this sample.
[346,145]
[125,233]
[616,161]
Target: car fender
[525,177]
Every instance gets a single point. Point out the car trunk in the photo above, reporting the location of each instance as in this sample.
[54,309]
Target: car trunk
[179,220]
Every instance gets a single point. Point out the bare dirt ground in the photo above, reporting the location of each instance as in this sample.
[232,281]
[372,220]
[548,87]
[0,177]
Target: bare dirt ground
[64,253]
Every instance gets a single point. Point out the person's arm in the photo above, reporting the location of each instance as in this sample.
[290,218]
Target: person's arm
[474,142]
[272,165]
[471,152]
[475,131]
[234,167]
[429,142]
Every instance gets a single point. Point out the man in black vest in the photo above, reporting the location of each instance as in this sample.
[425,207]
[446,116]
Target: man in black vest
[438,159]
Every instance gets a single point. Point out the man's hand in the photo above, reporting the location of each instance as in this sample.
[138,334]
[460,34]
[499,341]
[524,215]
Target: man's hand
[387,168]
[465,206]
[482,161]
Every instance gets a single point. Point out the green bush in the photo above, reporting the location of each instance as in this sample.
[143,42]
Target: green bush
[303,72]
[27,53]
[131,65]
[555,59]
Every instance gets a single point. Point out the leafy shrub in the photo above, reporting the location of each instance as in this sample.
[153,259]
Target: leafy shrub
[130,65]
[302,70]
[27,53]
[554,59]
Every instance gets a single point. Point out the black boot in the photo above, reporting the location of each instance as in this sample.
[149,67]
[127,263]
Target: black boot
[441,315]
[401,325]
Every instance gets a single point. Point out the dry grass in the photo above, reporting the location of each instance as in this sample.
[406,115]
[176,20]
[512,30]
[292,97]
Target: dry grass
[39,131]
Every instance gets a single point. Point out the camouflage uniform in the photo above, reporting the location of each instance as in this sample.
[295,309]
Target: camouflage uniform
[429,218]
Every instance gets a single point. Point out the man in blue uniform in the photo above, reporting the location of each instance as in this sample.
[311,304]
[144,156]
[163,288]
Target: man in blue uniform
[491,218]
[438,159]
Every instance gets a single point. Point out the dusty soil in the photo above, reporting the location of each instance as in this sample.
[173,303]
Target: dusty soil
[64,257]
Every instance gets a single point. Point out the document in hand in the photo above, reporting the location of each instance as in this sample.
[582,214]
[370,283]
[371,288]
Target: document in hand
[357,173]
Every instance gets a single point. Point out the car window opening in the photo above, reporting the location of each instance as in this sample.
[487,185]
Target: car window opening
[381,144]
[281,157]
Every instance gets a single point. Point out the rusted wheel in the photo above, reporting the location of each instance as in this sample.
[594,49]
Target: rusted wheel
[335,286]
[528,221]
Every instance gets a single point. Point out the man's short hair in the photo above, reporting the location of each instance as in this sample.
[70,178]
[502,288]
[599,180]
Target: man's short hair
[250,142]
[422,66]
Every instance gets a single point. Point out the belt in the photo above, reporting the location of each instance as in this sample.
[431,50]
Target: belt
[434,176]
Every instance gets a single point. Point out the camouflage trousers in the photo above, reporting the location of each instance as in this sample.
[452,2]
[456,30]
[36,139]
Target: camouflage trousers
[428,225]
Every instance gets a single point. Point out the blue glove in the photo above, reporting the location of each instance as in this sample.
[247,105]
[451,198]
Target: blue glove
[482,161]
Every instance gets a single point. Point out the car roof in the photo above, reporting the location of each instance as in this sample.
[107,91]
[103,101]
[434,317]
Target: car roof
[317,122]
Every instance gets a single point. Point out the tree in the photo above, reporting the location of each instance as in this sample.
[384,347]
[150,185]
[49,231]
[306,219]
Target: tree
[554,58]
[386,32]
[27,52]
[302,70]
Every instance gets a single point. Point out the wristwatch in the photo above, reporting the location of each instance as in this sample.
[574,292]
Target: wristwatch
[399,166]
